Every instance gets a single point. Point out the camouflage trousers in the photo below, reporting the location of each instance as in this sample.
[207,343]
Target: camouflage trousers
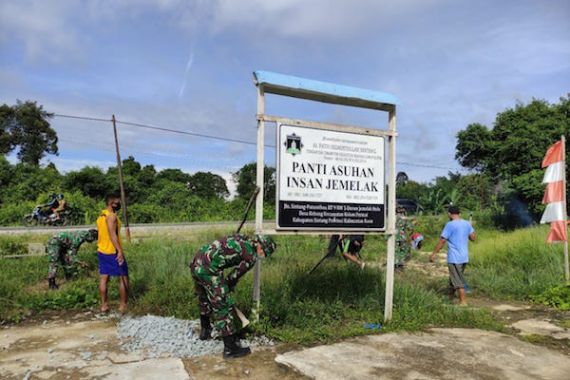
[59,256]
[215,300]
[402,253]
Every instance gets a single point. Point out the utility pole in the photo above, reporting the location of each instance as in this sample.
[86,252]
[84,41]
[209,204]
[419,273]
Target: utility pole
[121,182]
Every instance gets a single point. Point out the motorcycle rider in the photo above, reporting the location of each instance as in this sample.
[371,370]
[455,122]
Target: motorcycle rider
[60,207]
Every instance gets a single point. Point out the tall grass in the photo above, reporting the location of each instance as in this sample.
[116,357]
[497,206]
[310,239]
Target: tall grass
[516,264]
[334,302]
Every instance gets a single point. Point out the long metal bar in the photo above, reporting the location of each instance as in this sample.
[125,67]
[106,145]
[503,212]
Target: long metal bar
[121,182]
[388,303]
[327,126]
[259,199]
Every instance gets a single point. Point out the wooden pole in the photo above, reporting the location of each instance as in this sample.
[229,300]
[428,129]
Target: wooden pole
[391,222]
[566,268]
[259,201]
[121,182]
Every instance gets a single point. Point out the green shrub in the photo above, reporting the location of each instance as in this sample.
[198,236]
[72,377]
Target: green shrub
[557,297]
[12,246]
[13,213]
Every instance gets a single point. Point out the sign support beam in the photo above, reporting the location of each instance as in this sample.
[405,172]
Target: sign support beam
[391,246]
[259,200]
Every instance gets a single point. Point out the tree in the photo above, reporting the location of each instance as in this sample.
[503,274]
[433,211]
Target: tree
[512,151]
[6,122]
[474,147]
[208,185]
[131,166]
[90,181]
[246,182]
[29,130]
[174,175]
[411,190]
[147,175]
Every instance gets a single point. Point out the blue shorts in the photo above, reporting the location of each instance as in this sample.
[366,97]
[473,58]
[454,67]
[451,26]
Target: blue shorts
[108,265]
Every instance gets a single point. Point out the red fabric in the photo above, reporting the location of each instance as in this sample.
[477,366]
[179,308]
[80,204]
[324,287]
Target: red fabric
[554,192]
[553,154]
[557,232]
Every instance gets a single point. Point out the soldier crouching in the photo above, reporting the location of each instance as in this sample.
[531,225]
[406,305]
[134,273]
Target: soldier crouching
[213,289]
[62,250]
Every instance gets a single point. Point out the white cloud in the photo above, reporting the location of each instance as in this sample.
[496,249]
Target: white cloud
[316,19]
[41,26]
[60,30]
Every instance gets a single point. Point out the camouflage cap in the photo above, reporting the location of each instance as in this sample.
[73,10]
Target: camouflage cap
[267,244]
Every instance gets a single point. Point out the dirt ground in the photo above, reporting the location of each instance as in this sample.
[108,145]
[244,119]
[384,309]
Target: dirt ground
[86,346]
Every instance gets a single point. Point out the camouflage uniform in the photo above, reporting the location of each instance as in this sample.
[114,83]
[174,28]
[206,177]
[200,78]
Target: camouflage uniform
[62,249]
[403,249]
[212,288]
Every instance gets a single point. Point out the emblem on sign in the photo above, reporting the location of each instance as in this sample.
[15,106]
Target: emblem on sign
[293,144]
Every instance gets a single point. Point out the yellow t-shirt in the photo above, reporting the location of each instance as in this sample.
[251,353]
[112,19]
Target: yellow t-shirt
[104,243]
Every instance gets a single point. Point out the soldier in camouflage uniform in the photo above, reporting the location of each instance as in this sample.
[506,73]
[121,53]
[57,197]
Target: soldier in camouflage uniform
[238,253]
[62,249]
[403,248]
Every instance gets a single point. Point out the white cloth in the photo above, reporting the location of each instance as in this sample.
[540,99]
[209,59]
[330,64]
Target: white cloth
[554,172]
[553,212]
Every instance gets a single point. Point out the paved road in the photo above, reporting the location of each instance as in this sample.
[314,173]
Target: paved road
[135,228]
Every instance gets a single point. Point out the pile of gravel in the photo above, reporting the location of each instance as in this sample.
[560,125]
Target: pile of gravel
[159,336]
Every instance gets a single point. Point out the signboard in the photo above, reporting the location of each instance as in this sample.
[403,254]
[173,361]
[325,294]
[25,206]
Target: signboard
[329,180]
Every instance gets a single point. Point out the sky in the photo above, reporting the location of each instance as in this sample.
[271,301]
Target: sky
[187,64]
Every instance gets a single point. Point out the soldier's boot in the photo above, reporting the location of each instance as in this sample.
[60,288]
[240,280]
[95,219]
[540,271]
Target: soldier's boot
[205,328]
[52,284]
[232,350]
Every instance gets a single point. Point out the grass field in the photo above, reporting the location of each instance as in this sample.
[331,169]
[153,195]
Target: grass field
[334,302]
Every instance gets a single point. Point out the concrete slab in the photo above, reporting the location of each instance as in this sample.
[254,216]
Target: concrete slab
[438,354]
[507,307]
[541,327]
[88,349]
[147,369]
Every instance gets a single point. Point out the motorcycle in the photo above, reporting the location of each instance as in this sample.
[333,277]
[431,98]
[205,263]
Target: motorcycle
[46,217]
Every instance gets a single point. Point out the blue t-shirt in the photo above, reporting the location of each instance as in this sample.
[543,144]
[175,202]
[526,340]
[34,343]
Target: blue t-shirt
[457,232]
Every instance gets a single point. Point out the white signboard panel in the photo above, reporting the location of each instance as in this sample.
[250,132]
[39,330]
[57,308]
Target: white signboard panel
[329,180]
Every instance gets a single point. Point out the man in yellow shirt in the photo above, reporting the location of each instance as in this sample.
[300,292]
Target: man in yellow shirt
[110,251]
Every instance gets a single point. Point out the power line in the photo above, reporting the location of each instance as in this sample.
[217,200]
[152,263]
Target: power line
[227,139]
[429,166]
[186,159]
[156,128]
[81,117]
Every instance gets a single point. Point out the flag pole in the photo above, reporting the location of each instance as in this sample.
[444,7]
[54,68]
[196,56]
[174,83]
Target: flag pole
[566,267]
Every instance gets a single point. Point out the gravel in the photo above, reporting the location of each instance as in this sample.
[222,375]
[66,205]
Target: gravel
[168,336]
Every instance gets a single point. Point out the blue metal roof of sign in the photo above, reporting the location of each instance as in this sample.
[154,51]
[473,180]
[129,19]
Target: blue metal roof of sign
[296,87]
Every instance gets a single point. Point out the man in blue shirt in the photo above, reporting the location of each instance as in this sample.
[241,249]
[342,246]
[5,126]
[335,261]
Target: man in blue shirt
[456,233]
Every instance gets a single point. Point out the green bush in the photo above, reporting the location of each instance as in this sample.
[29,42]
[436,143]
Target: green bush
[12,246]
[145,213]
[557,297]
[13,213]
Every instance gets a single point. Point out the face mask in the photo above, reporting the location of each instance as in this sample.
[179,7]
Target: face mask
[116,208]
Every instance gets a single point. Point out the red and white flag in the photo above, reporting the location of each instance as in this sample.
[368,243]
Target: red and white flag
[554,197]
